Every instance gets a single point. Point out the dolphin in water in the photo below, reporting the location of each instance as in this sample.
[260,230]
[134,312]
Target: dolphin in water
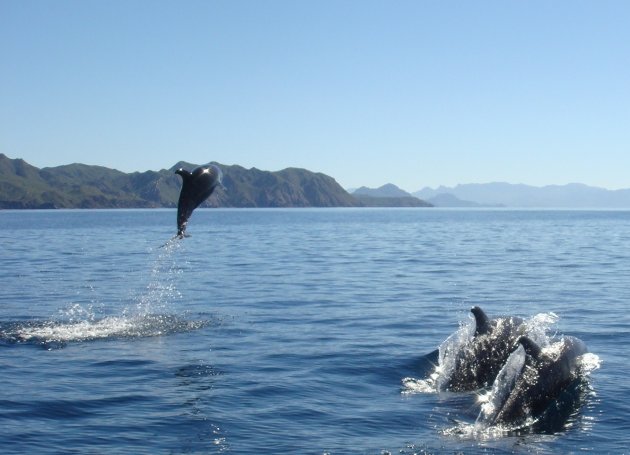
[197,186]
[473,363]
[533,378]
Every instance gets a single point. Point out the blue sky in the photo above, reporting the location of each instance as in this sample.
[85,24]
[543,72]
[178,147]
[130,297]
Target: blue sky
[416,93]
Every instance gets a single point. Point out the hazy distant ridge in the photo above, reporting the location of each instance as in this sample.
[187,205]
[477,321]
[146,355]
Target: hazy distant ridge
[573,195]
[387,190]
[388,195]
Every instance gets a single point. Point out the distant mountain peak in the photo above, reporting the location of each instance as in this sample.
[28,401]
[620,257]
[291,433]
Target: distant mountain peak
[387,190]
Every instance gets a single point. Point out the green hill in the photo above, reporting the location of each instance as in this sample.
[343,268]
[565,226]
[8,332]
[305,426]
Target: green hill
[23,186]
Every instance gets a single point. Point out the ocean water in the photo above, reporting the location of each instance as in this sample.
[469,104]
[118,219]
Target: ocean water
[294,331]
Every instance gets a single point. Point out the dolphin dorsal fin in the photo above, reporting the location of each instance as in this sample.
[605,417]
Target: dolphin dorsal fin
[530,346]
[482,323]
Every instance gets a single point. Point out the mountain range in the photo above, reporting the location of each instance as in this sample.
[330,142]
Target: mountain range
[23,186]
[573,195]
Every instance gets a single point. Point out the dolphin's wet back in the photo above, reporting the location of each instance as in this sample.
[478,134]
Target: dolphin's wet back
[540,378]
[475,363]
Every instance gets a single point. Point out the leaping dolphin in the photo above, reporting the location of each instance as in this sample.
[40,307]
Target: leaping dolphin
[538,377]
[197,186]
[474,363]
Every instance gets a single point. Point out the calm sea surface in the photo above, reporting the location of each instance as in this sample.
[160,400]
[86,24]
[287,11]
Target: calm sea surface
[291,331]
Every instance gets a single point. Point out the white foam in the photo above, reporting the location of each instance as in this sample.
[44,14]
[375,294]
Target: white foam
[109,327]
[413,385]
[589,362]
[77,331]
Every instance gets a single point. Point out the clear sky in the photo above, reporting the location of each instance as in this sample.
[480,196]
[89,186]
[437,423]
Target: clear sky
[416,93]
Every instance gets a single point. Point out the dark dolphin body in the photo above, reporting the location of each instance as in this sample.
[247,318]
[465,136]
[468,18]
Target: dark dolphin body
[197,186]
[545,375]
[477,362]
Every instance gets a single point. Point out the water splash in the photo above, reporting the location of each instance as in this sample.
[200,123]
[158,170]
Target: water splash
[56,334]
[412,385]
[589,362]
[539,326]
[448,352]
[161,291]
[146,316]
[474,431]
